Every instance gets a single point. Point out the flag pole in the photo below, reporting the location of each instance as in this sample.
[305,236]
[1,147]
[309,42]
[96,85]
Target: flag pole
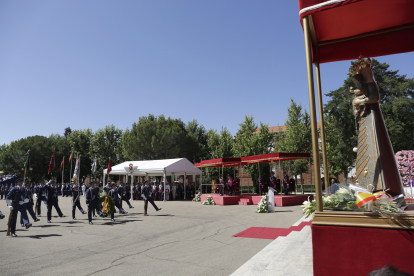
[63,169]
[70,172]
[79,170]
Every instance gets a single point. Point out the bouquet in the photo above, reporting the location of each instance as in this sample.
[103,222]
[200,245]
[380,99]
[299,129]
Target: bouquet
[263,206]
[197,198]
[209,201]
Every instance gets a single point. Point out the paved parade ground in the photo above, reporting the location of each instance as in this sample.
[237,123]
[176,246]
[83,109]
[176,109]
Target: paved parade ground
[184,238]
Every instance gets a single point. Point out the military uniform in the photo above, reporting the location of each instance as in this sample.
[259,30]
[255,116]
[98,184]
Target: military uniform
[15,201]
[51,195]
[147,195]
[113,193]
[29,206]
[92,201]
[76,203]
[286,184]
[40,196]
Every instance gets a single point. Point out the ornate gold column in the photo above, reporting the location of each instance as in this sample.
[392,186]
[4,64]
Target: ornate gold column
[315,144]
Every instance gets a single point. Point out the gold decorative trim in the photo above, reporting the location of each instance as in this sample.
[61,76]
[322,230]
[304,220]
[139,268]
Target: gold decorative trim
[364,219]
[362,141]
[362,121]
[362,132]
[362,153]
[362,166]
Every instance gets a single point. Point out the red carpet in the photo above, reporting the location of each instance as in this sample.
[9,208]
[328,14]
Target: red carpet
[270,233]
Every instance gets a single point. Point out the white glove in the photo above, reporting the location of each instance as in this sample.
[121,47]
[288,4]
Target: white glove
[144,197]
[35,196]
[9,203]
[26,200]
[11,208]
[21,202]
[119,196]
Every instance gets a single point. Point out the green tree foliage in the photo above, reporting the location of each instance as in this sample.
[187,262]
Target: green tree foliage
[250,141]
[196,146]
[397,106]
[79,141]
[105,143]
[296,138]
[155,138]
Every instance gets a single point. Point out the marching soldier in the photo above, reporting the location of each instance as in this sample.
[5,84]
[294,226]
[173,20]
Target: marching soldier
[92,201]
[29,205]
[147,196]
[52,200]
[40,196]
[113,193]
[15,201]
[76,201]
[122,193]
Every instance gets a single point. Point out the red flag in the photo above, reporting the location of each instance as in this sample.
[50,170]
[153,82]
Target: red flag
[52,163]
[109,166]
[61,164]
[70,157]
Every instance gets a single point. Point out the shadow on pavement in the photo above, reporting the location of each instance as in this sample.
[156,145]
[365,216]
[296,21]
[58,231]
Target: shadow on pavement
[42,236]
[48,225]
[167,215]
[120,222]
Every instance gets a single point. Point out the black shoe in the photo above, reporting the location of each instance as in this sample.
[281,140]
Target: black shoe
[36,220]
[28,225]
[124,212]
[83,212]
[146,215]
[90,223]
[94,216]
[49,221]
[2,216]
[22,225]
[74,218]
[62,216]
[159,209]
[39,215]
[13,235]
[131,207]
[112,219]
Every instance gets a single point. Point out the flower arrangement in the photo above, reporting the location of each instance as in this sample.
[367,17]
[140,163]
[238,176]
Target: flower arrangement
[107,203]
[405,163]
[263,206]
[209,201]
[197,198]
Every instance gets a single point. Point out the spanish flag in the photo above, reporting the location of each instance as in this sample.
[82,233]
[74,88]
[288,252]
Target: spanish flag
[70,157]
[52,163]
[61,163]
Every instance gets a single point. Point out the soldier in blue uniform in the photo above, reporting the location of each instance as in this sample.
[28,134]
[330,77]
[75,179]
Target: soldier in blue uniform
[92,198]
[272,180]
[29,205]
[52,200]
[2,191]
[76,201]
[122,193]
[113,193]
[16,202]
[40,196]
[147,196]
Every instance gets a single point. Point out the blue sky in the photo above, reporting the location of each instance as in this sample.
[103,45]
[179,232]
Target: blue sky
[88,64]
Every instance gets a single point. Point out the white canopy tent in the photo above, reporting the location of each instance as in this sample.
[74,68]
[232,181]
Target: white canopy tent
[163,167]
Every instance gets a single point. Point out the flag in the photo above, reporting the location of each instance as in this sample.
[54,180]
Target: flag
[61,164]
[70,157]
[94,166]
[27,163]
[52,163]
[76,171]
[109,166]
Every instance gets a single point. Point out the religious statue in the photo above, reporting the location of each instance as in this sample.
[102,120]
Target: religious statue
[375,164]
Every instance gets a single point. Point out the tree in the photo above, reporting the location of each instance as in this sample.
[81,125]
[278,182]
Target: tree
[154,138]
[296,138]
[67,132]
[397,106]
[251,141]
[79,141]
[105,143]
[196,145]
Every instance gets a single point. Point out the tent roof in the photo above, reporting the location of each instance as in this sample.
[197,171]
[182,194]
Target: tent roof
[156,167]
[346,29]
[264,158]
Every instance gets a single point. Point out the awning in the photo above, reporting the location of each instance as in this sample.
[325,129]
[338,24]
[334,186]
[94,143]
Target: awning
[219,162]
[346,29]
[177,166]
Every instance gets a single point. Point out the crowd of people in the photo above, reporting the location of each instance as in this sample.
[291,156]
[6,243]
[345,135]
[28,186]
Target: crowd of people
[27,198]
[7,177]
